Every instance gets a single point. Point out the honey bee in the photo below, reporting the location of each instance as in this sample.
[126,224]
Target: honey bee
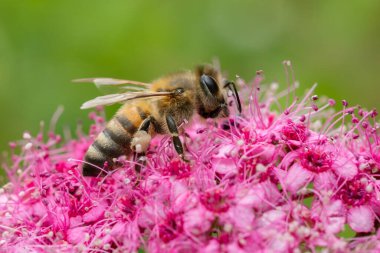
[155,108]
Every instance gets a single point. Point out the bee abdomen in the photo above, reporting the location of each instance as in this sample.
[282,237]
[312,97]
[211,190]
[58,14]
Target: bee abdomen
[113,142]
[94,162]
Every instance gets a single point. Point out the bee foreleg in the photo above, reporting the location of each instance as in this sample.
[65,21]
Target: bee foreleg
[140,142]
[172,126]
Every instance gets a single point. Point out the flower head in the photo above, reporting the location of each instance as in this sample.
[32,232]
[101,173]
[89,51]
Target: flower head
[268,180]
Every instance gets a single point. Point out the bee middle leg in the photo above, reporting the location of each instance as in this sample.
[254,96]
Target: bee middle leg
[173,129]
[140,143]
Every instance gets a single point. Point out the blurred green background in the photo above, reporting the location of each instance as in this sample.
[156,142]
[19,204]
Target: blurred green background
[44,44]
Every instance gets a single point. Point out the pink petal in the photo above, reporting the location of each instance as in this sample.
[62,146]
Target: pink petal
[235,247]
[225,151]
[197,220]
[184,202]
[335,224]
[94,214]
[296,178]
[39,209]
[148,214]
[335,208]
[124,231]
[272,219]
[118,229]
[324,180]
[212,247]
[76,221]
[178,188]
[76,235]
[267,153]
[281,244]
[250,197]
[332,215]
[224,165]
[260,196]
[241,217]
[345,167]
[361,218]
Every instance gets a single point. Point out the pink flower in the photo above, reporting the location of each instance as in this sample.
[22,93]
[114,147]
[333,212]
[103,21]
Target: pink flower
[248,188]
[317,163]
[360,201]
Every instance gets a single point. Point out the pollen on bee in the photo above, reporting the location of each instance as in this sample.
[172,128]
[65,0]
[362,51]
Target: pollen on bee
[138,148]
[140,141]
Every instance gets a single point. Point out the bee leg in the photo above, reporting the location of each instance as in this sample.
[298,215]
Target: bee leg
[140,143]
[176,140]
[140,160]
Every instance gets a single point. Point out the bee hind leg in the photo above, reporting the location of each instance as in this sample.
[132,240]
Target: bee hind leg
[172,126]
[140,143]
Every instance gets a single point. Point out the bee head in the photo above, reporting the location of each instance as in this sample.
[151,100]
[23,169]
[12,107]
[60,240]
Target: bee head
[211,93]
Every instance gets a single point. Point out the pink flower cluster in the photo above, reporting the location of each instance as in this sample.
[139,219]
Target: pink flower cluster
[270,180]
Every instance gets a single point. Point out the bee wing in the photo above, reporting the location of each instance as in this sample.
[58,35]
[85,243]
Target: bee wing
[105,81]
[122,97]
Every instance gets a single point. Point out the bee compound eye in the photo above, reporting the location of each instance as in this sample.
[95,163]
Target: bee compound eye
[210,84]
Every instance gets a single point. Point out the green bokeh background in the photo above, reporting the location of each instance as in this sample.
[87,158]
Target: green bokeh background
[45,43]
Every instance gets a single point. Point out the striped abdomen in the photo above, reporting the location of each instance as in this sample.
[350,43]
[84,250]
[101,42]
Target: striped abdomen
[115,140]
